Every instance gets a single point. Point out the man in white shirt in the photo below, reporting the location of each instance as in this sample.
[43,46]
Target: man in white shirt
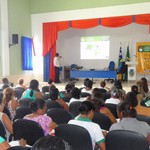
[57,67]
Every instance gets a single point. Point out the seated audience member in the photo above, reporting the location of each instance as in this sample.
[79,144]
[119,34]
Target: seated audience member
[114,97]
[143,86]
[103,86]
[51,84]
[50,143]
[85,120]
[6,121]
[54,96]
[38,107]
[33,91]
[5,81]
[98,102]
[135,100]
[88,88]
[68,89]
[3,144]
[10,101]
[134,88]
[76,95]
[146,102]
[84,83]
[21,83]
[128,121]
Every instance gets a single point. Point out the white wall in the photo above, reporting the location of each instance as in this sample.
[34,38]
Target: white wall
[68,42]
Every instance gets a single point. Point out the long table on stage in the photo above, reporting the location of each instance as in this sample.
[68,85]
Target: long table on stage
[93,74]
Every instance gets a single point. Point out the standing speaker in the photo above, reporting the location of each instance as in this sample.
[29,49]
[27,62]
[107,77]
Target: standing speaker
[14,38]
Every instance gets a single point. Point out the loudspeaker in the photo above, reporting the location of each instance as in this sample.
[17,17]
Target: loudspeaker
[14,38]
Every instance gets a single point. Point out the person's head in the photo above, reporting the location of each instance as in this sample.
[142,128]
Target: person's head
[125,110]
[95,90]
[134,88]
[20,81]
[54,93]
[103,84]
[50,81]
[49,143]
[89,84]
[116,93]
[5,81]
[75,93]
[132,99]
[8,94]
[85,81]
[69,87]
[97,100]
[38,106]
[118,84]
[34,84]
[57,54]
[87,108]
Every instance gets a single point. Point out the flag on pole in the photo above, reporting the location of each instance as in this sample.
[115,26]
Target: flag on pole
[127,54]
[120,56]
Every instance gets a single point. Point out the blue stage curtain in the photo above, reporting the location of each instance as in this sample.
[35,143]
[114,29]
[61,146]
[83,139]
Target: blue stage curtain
[26,53]
[46,66]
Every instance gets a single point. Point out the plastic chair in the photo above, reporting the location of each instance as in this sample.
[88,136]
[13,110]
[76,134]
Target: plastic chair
[29,130]
[143,118]
[52,104]
[103,121]
[77,137]
[125,140]
[111,67]
[25,102]
[59,115]
[19,148]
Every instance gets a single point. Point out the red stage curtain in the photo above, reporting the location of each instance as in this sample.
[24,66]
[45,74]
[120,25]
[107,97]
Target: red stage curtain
[142,19]
[84,24]
[114,22]
[63,25]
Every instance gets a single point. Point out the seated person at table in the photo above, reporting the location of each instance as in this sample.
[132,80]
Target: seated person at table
[85,120]
[128,121]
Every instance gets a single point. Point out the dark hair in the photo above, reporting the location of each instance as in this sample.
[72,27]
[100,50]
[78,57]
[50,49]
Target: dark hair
[134,88]
[76,93]
[132,99]
[85,81]
[97,100]
[126,109]
[49,143]
[5,81]
[89,84]
[36,104]
[54,92]
[118,84]
[33,86]
[95,90]
[69,87]
[20,81]
[57,54]
[86,106]
[145,85]
[50,81]
[116,93]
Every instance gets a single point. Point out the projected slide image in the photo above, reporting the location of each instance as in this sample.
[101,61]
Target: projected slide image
[95,47]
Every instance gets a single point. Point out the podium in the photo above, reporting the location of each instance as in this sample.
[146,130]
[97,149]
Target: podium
[131,70]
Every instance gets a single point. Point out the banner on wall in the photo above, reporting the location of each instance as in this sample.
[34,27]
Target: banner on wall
[143,57]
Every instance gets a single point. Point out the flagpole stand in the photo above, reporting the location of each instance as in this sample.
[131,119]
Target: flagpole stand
[131,70]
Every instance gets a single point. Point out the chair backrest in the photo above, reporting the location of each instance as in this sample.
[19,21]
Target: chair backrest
[24,102]
[73,66]
[18,92]
[19,148]
[29,130]
[85,94]
[111,65]
[101,90]
[112,108]
[2,131]
[52,104]
[45,89]
[103,121]
[74,108]
[59,115]
[143,118]
[77,137]
[21,112]
[125,140]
